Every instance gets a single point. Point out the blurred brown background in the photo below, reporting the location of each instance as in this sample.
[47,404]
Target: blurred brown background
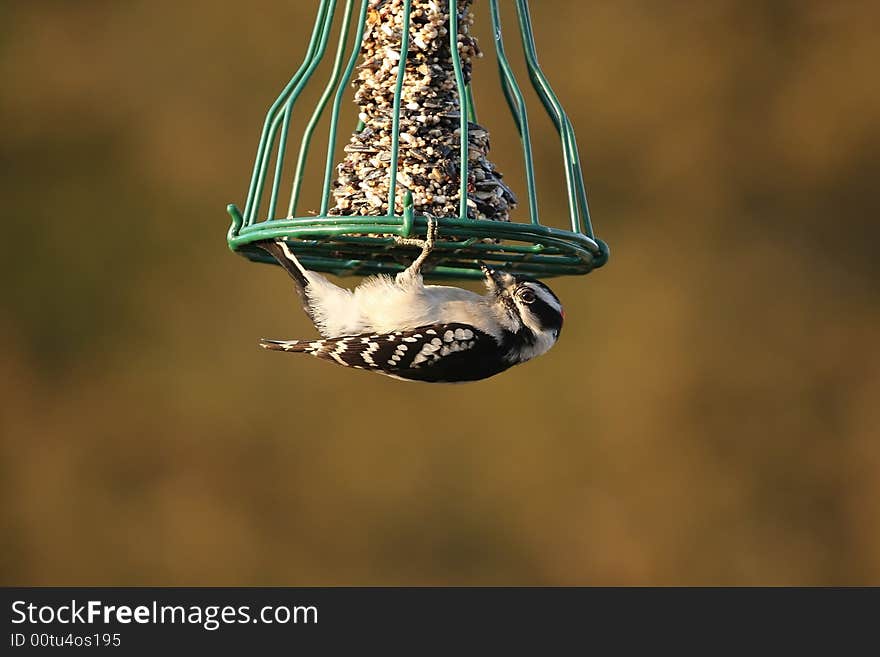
[709,417]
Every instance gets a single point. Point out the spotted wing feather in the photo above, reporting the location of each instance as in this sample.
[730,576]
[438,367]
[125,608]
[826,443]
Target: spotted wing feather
[438,353]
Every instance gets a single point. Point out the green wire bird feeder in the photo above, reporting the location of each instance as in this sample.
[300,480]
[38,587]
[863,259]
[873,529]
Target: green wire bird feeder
[417,150]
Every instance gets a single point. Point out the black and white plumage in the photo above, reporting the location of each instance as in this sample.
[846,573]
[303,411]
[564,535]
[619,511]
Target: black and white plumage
[400,327]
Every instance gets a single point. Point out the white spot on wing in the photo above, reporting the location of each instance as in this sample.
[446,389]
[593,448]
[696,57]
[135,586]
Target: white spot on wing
[341,346]
[367,354]
[426,353]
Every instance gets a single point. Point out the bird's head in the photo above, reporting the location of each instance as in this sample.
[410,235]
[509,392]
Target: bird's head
[531,308]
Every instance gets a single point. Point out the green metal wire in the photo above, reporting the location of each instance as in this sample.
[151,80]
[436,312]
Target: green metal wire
[257,178]
[288,107]
[518,107]
[398,89]
[319,110]
[361,245]
[283,108]
[462,101]
[471,108]
[337,104]
[577,194]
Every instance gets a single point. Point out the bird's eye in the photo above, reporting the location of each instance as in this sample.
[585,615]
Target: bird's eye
[527,296]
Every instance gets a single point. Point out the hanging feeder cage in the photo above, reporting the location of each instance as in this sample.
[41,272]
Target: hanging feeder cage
[338,241]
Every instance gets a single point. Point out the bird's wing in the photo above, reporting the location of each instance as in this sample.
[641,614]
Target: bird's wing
[437,353]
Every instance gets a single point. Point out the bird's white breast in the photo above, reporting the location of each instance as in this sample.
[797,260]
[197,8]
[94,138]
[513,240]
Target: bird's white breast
[387,305]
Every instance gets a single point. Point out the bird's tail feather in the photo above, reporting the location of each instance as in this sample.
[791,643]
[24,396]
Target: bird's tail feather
[284,345]
[284,256]
[279,250]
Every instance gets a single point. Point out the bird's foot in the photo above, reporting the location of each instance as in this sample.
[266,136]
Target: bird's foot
[427,244]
